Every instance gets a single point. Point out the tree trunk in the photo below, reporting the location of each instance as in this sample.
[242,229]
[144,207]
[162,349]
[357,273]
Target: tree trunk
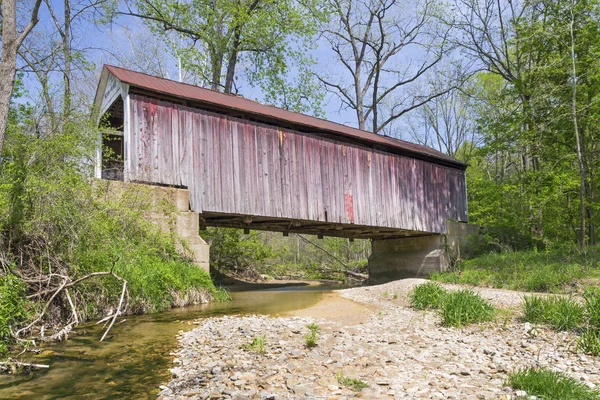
[8,62]
[578,139]
[66,43]
[232,60]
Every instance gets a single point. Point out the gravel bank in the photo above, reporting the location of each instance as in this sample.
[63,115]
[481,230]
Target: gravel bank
[398,352]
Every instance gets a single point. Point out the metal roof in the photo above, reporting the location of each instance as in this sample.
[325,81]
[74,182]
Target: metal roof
[273,114]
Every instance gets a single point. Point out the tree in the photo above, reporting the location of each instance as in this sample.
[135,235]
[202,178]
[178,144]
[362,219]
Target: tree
[446,122]
[221,35]
[382,47]
[12,40]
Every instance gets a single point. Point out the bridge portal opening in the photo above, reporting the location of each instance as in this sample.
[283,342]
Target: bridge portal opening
[112,142]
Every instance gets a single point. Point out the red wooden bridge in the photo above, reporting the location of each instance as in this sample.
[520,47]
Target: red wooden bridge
[253,166]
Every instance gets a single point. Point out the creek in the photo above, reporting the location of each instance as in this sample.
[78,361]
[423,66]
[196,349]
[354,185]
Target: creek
[135,359]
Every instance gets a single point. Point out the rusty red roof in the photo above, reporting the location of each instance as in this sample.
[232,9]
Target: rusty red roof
[271,113]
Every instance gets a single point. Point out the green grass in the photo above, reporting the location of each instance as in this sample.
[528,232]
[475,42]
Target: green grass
[257,344]
[312,337]
[549,271]
[355,384]
[561,313]
[465,307]
[550,385]
[592,306]
[427,295]
[589,342]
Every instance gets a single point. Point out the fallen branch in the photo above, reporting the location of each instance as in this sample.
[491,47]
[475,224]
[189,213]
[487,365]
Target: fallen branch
[118,310]
[13,365]
[346,269]
[66,283]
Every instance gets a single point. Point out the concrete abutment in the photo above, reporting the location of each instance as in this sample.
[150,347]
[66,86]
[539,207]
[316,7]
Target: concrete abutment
[417,256]
[169,209]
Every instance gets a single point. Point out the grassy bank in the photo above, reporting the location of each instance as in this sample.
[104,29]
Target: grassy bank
[555,271]
[67,247]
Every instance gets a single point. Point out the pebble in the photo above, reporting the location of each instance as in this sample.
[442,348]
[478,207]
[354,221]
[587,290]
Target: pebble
[399,353]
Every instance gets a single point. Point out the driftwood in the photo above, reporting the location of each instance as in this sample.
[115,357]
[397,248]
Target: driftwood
[346,269]
[63,287]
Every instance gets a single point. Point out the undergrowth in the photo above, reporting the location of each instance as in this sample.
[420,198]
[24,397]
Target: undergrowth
[553,271]
[550,385]
[57,224]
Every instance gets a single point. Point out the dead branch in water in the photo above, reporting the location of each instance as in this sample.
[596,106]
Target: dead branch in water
[66,283]
[12,366]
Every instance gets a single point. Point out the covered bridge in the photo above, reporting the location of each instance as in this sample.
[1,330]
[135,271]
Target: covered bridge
[254,166]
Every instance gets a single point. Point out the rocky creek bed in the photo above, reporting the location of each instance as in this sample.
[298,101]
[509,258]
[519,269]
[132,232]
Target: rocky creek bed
[397,351]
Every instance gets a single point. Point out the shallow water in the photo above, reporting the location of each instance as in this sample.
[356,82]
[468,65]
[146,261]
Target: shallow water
[135,359]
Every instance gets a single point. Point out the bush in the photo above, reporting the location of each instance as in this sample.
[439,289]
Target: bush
[550,385]
[464,307]
[427,295]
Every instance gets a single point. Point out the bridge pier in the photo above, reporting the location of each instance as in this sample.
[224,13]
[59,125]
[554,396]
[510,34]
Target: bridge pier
[417,256]
[169,209]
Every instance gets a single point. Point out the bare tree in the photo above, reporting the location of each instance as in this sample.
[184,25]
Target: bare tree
[383,46]
[12,40]
[447,123]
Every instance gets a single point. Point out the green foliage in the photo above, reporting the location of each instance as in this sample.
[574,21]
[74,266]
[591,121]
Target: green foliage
[298,259]
[465,307]
[550,385]
[547,271]
[14,308]
[233,251]
[353,383]
[312,337]
[592,307]
[534,309]
[427,295]
[268,41]
[55,219]
[562,313]
[589,342]
[257,344]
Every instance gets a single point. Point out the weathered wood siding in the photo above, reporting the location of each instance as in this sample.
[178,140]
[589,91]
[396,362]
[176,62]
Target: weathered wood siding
[242,167]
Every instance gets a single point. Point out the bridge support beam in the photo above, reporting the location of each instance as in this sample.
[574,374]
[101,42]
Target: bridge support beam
[417,256]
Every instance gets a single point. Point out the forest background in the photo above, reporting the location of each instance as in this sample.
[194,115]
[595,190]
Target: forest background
[510,87]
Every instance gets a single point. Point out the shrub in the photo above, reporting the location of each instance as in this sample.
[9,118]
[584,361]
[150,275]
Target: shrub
[550,385]
[427,295]
[464,307]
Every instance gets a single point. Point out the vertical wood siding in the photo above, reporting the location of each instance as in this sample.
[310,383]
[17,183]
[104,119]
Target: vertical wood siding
[242,167]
